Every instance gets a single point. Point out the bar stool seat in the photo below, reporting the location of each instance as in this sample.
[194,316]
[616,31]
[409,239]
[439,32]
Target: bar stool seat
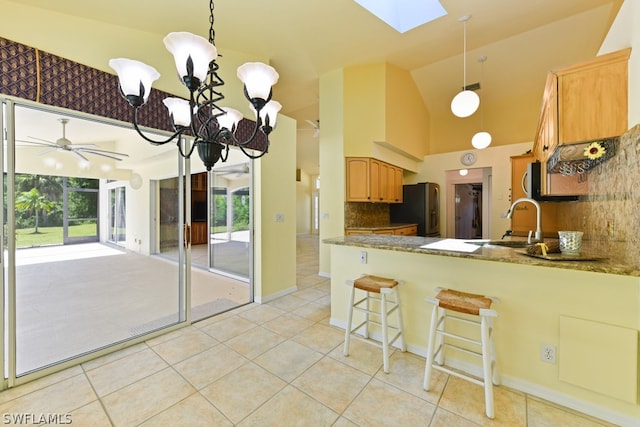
[471,309]
[377,289]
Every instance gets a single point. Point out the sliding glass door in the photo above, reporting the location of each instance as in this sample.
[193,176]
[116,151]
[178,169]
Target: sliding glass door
[69,292]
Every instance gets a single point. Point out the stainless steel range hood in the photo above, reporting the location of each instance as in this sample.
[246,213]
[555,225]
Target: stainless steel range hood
[570,159]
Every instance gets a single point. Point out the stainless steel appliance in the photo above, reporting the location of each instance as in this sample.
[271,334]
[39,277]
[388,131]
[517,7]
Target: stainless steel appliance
[420,205]
[532,185]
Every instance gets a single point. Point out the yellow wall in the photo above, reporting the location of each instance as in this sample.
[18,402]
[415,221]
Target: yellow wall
[407,118]
[364,108]
[382,104]
[332,166]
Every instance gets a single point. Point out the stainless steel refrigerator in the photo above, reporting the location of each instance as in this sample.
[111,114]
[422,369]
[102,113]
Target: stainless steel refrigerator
[420,205]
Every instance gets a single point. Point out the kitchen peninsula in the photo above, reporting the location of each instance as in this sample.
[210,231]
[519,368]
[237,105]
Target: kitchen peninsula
[588,310]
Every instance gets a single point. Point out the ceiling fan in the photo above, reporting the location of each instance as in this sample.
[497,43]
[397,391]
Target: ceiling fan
[78,150]
[315,125]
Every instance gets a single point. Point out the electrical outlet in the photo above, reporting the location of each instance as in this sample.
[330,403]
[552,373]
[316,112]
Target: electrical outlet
[279,217]
[548,353]
[363,257]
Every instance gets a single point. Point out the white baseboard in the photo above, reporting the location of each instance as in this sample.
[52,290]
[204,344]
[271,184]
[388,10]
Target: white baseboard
[324,274]
[277,295]
[527,387]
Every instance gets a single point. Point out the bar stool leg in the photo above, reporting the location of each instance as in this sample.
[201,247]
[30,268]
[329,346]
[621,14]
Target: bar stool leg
[403,344]
[385,332]
[366,315]
[486,366]
[494,364]
[347,333]
[440,328]
[430,348]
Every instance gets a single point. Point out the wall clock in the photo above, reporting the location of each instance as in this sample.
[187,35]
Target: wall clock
[468,158]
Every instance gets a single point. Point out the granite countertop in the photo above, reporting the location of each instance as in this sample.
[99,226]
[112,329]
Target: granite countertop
[487,253]
[382,227]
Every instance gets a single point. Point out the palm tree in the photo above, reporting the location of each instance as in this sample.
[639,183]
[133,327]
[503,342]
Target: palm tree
[33,201]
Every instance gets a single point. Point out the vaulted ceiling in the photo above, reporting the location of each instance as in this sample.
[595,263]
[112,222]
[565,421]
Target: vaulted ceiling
[523,40]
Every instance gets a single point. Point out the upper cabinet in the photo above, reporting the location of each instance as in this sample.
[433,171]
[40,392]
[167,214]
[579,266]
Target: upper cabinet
[583,102]
[371,180]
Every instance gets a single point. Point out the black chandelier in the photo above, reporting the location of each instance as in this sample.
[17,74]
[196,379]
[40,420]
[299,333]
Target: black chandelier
[212,127]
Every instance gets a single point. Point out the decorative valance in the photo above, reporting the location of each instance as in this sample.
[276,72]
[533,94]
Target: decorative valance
[28,73]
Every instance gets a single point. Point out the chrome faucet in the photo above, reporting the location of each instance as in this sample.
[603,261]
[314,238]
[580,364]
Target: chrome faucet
[538,235]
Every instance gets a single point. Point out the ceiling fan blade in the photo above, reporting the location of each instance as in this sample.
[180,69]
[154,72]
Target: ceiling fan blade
[80,156]
[40,139]
[313,124]
[102,153]
[81,145]
[38,144]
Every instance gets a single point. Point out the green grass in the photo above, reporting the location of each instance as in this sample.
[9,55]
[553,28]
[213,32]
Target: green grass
[25,237]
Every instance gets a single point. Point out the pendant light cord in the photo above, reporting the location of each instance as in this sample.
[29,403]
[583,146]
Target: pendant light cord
[464,56]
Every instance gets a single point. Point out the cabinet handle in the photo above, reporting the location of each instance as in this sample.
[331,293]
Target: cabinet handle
[545,147]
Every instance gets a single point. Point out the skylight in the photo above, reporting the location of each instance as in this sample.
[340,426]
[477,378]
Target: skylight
[404,15]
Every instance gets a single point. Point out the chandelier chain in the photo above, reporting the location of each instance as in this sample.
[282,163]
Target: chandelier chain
[212,33]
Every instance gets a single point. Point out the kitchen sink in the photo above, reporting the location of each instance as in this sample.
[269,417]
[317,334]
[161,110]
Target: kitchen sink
[507,243]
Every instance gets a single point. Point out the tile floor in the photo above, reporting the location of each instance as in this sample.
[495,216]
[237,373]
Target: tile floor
[276,364]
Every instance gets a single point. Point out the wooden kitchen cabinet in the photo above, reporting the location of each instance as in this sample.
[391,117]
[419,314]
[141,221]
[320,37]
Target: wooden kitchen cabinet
[583,102]
[372,180]
[524,215]
[411,230]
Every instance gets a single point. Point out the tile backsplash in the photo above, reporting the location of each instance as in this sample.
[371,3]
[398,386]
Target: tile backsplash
[360,214]
[609,215]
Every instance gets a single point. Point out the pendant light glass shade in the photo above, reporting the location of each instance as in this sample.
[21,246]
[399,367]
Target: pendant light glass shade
[132,74]
[229,120]
[465,103]
[258,79]
[179,110]
[183,46]
[481,140]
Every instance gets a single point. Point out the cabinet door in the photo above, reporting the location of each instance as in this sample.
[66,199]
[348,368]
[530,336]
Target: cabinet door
[375,180]
[592,100]
[395,184]
[357,178]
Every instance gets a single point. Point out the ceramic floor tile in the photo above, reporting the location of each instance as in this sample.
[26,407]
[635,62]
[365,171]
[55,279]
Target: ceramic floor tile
[467,399]
[381,404]
[38,384]
[144,399]
[242,391]
[444,418]
[92,364]
[288,360]
[288,325]
[288,303]
[194,411]
[121,372]
[185,345]
[291,407]
[261,313]
[406,371]
[228,328]
[206,367]
[343,422]
[255,341]
[543,414]
[362,355]
[313,311]
[59,398]
[92,415]
[332,383]
[320,338]
[309,294]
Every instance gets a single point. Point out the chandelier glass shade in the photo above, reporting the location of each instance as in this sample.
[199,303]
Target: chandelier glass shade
[213,127]
[466,102]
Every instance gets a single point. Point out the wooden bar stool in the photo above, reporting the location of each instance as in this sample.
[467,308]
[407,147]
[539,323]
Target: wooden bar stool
[376,289]
[478,311]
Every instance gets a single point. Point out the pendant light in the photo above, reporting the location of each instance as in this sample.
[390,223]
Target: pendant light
[481,139]
[466,102]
